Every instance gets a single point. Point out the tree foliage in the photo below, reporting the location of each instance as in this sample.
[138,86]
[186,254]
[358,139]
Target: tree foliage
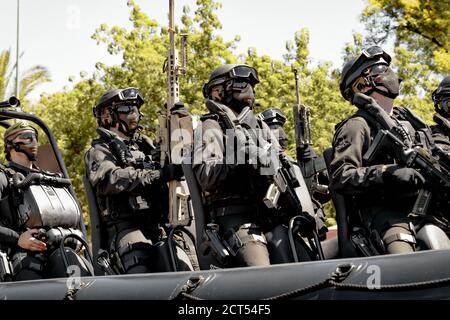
[420,26]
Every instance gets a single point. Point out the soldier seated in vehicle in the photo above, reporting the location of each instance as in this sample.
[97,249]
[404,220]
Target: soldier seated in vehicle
[275,119]
[130,186]
[235,161]
[36,212]
[382,192]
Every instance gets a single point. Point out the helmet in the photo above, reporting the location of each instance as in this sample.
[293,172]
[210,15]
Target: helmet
[17,127]
[29,148]
[114,99]
[441,97]
[273,116]
[356,68]
[228,72]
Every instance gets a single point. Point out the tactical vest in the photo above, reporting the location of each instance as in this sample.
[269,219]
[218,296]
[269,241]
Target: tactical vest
[242,186]
[135,204]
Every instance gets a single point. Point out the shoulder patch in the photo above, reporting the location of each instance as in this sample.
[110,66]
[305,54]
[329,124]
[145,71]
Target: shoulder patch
[341,145]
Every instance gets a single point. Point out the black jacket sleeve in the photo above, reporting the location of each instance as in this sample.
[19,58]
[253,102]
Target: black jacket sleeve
[8,236]
[349,174]
[109,178]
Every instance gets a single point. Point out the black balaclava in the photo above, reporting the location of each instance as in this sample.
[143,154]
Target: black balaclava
[238,94]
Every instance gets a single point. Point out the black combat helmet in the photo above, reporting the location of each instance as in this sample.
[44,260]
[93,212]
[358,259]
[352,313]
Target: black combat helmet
[362,68]
[273,116]
[228,72]
[441,97]
[115,97]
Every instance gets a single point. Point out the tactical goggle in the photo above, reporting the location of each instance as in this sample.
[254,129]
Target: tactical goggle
[244,72]
[371,71]
[369,54]
[127,109]
[26,138]
[129,94]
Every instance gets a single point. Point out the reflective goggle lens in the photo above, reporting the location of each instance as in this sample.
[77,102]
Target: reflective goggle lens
[26,137]
[130,93]
[376,69]
[126,109]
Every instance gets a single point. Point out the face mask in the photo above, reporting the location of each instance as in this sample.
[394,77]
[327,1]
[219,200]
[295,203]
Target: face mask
[379,75]
[280,135]
[26,143]
[389,80]
[242,96]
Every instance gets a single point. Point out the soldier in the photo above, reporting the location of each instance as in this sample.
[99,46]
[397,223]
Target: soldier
[130,187]
[22,223]
[382,191]
[441,99]
[276,119]
[233,190]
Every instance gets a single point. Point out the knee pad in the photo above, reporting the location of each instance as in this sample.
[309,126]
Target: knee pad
[402,232]
[236,238]
[134,255]
[77,265]
[29,266]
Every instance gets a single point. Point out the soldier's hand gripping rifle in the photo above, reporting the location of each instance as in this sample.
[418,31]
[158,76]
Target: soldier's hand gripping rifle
[175,126]
[307,159]
[393,136]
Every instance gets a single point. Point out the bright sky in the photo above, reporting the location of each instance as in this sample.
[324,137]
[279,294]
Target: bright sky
[57,33]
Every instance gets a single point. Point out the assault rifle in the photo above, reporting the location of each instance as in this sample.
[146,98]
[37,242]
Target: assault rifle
[310,164]
[283,183]
[393,136]
[175,127]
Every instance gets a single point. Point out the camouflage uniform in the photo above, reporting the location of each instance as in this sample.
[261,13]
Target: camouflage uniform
[131,197]
[233,195]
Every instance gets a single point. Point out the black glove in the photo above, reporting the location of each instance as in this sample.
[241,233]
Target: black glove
[171,172]
[401,176]
[306,153]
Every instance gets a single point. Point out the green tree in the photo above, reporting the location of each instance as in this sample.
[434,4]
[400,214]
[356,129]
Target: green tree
[420,26]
